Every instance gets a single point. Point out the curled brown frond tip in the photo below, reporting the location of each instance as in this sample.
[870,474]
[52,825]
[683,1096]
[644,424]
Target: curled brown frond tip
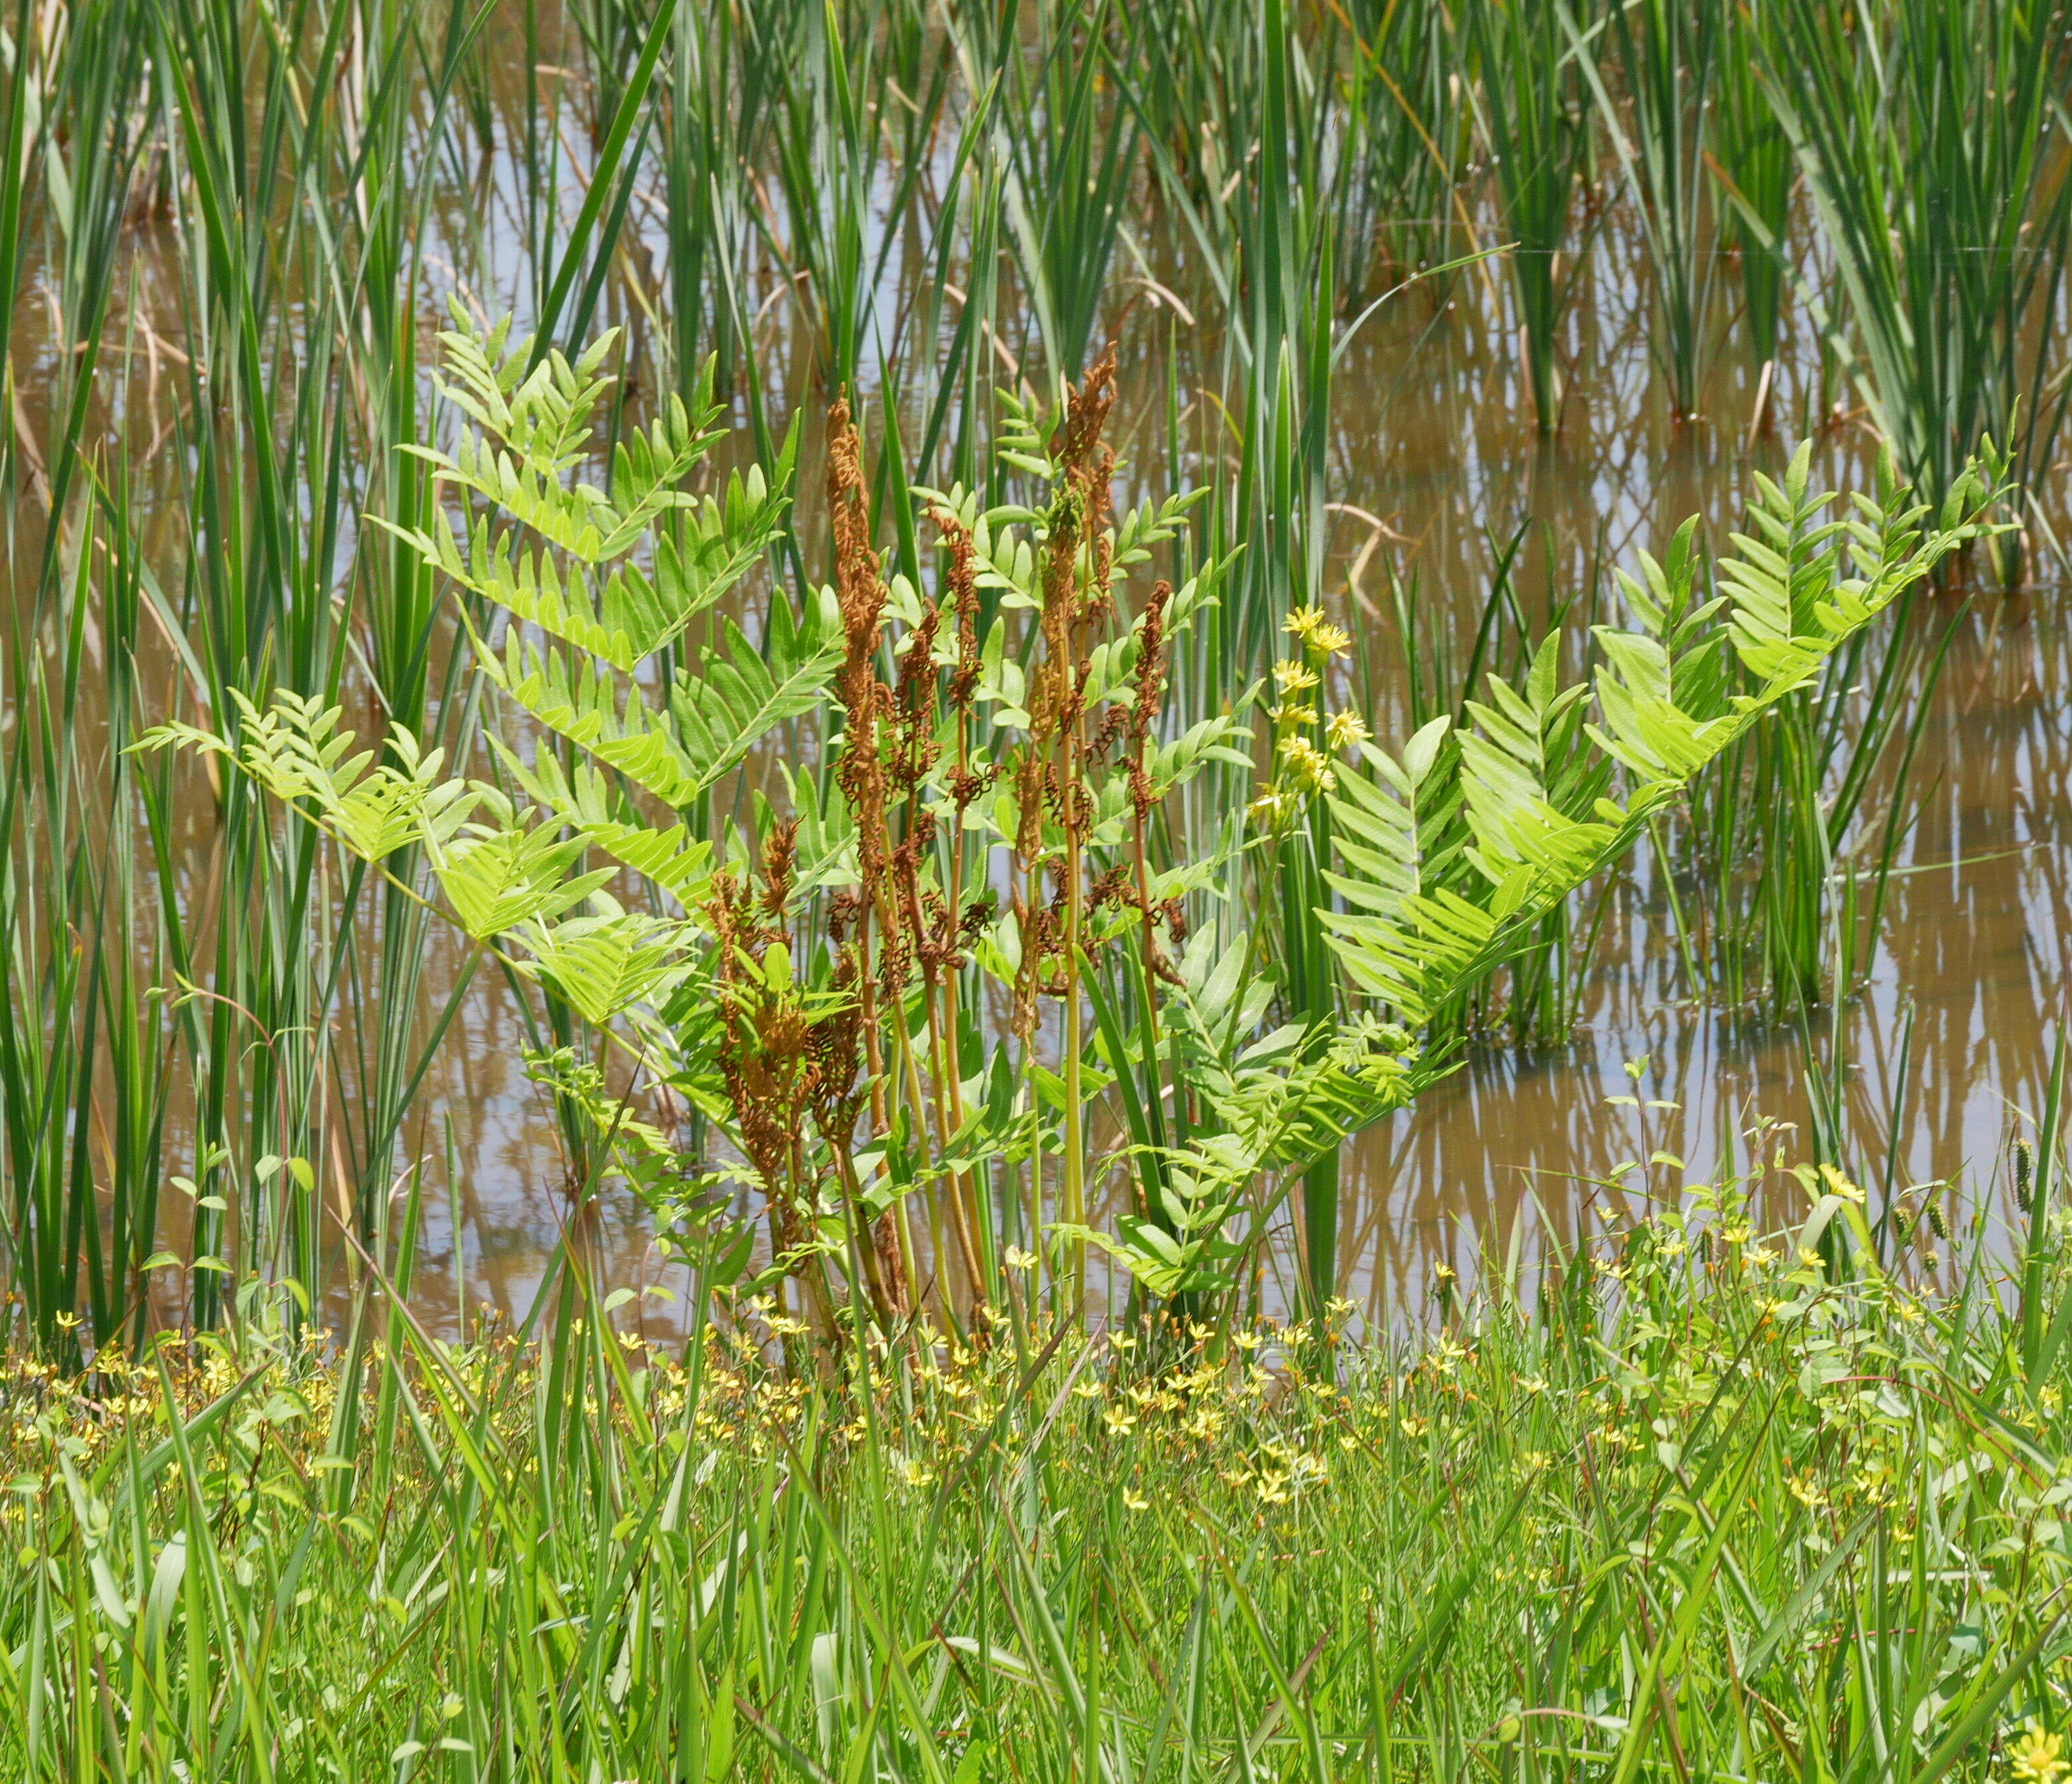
[1086,413]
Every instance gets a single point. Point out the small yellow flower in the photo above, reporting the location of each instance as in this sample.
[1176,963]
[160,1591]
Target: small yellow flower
[1247,1341]
[1290,677]
[1309,625]
[1019,1260]
[1135,1503]
[1308,765]
[1840,1185]
[1806,1493]
[1346,732]
[2035,1757]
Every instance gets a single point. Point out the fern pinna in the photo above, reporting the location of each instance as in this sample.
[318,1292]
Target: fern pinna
[897,986]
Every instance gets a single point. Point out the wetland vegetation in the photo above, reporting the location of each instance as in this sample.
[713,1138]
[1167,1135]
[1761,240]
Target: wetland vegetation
[799,797]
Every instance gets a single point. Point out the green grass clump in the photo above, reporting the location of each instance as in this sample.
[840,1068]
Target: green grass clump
[1704,1504]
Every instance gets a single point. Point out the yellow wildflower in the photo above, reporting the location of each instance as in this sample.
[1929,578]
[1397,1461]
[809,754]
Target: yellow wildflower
[1310,766]
[1840,1185]
[1309,625]
[1292,677]
[2035,1757]
[1346,732]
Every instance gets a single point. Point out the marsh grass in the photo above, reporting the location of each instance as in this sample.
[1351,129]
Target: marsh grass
[1932,142]
[1682,1493]
[1530,59]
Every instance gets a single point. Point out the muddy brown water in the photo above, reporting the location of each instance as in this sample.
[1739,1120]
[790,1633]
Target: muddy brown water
[1433,463]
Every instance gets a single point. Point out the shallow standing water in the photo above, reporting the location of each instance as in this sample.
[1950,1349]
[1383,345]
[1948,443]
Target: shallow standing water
[1434,466]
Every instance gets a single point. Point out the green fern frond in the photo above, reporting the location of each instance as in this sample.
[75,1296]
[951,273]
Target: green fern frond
[1530,767]
[738,694]
[296,751]
[674,860]
[593,709]
[606,963]
[498,877]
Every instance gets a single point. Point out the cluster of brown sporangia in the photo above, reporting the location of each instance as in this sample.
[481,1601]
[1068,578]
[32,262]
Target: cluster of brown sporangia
[798,1061]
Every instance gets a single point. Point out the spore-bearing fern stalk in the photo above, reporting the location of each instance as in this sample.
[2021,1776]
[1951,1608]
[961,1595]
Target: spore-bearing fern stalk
[866,926]
[909,913]
[1078,562]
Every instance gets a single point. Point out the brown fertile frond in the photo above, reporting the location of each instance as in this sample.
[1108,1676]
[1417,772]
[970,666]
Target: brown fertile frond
[859,588]
[916,749]
[780,856]
[961,579]
[864,698]
[1086,414]
[1150,680]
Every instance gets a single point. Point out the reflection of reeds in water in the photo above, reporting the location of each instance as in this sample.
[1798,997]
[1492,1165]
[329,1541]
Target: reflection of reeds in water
[1932,137]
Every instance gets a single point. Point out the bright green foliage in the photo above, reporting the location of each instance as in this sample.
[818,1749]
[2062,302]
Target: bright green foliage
[1691,1499]
[1445,859]
[1453,853]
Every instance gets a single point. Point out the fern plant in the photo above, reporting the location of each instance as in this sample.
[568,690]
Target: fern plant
[1451,855]
[897,987]
[804,982]
[1452,851]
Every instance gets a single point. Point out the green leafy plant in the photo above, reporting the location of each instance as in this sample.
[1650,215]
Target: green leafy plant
[799,981]
[813,981]
[1454,850]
